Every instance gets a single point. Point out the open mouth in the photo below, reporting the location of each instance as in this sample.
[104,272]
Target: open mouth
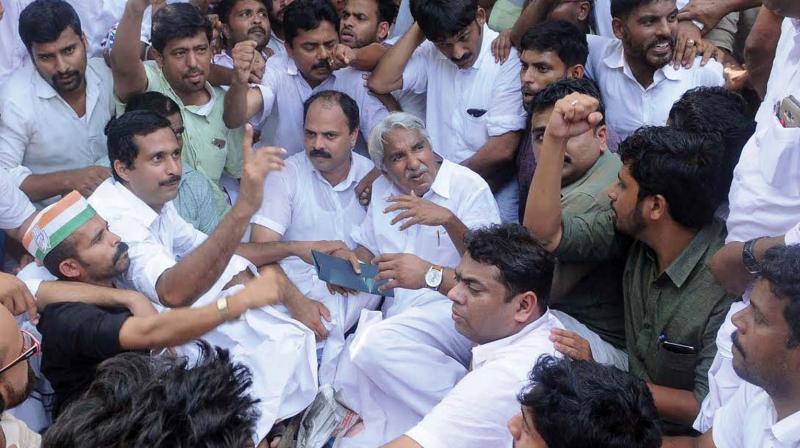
[662,48]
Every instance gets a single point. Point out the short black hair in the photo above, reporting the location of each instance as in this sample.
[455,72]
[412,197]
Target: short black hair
[621,9]
[684,167]
[440,19]
[160,402]
[348,105]
[224,8]
[585,404]
[523,263]
[716,110]
[64,250]
[178,21]
[307,15]
[154,102]
[44,20]
[550,95]
[387,10]
[781,268]
[559,36]
[122,130]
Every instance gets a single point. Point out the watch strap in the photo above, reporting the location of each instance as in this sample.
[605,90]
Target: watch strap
[749,258]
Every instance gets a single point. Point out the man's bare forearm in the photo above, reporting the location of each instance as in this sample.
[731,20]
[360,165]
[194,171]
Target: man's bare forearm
[39,187]
[456,231]
[127,67]
[675,405]
[185,282]
[728,268]
[367,57]
[235,114]
[495,154]
[51,292]
[388,74]
[269,252]
[533,14]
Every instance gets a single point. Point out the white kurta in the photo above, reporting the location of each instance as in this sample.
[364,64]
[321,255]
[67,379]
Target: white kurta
[764,200]
[279,351]
[300,205]
[455,96]
[397,369]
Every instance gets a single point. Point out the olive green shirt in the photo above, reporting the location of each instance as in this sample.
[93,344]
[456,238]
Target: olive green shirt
[592,291]
[208,145]
[682,305]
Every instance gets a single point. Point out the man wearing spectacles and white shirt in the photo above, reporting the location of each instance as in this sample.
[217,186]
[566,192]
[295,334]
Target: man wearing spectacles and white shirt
[16,380]
[474,111]
[413,231]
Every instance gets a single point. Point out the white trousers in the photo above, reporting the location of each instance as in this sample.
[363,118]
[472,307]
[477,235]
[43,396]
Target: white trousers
[396,370]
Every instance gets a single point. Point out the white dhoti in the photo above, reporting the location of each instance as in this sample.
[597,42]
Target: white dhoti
[396,370]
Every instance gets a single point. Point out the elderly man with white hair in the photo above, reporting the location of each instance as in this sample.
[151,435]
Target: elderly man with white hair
[399,368]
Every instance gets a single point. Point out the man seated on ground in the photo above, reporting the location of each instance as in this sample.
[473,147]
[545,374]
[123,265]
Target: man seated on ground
[312,205]
[590,293]
[195,199]
[17,380]
[474,109]
[571,403]
[664,200]
[276,105]
[764,411]
[500,303]
[181,39]
[52,122]
[176,265]
[189,405]
[549,52]
[74,244]
[414,229]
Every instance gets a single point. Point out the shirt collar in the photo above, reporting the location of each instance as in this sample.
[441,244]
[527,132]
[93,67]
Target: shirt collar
[485,352]
[616,60]
[680,268]
[114,198]
[786,431]
[441,185]
[344,185]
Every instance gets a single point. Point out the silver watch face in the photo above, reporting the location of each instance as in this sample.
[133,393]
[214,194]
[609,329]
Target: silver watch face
[433,278]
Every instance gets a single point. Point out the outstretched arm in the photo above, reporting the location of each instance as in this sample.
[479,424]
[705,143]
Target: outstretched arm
[388,74]
[242,101]
[126,65]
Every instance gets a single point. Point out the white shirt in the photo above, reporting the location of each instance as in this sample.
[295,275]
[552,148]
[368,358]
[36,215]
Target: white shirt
[486,88]
[630,106]
[13,54]
[301,205]
[15,207]
[97,18]
[749,420]
[284,91]
[156,240]
[276,45]
[413,103]
[40,133]
[456,188]
[17,433]
[475,413]
[765,193]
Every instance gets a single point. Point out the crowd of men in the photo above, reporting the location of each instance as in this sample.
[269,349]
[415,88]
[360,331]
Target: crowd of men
[583,215]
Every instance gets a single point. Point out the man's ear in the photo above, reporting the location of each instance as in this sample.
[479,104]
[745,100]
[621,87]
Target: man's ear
[70,268]
[576,71]
[480,16]
[226,31]
[526,307]
[657,207]
[122,171]
[383,30]
[601,132]
[158,57]
[618,26]
[353,138]
[584,9]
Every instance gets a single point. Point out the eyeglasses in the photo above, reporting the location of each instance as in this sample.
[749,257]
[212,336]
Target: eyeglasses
[31,347]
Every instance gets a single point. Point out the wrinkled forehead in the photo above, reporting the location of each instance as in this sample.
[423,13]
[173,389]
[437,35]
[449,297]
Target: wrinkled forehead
[398,139]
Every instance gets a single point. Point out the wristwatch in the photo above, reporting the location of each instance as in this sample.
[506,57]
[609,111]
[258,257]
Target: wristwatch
[433,278]
[222,307]
[748,257]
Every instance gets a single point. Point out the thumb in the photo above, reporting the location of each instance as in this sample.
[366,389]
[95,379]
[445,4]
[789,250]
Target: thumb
[247,143]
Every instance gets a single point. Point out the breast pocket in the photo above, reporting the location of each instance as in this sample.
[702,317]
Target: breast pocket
[779,156]
[675,369]
[475,127]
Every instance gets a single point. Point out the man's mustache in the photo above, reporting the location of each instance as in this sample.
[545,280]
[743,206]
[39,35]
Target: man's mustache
[321,65]
[171,180]
[737,344]
[257,28]
[320,153]
[122,249]
[421,170]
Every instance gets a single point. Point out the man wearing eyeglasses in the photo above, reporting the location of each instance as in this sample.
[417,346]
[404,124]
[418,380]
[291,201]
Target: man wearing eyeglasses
[16,380]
